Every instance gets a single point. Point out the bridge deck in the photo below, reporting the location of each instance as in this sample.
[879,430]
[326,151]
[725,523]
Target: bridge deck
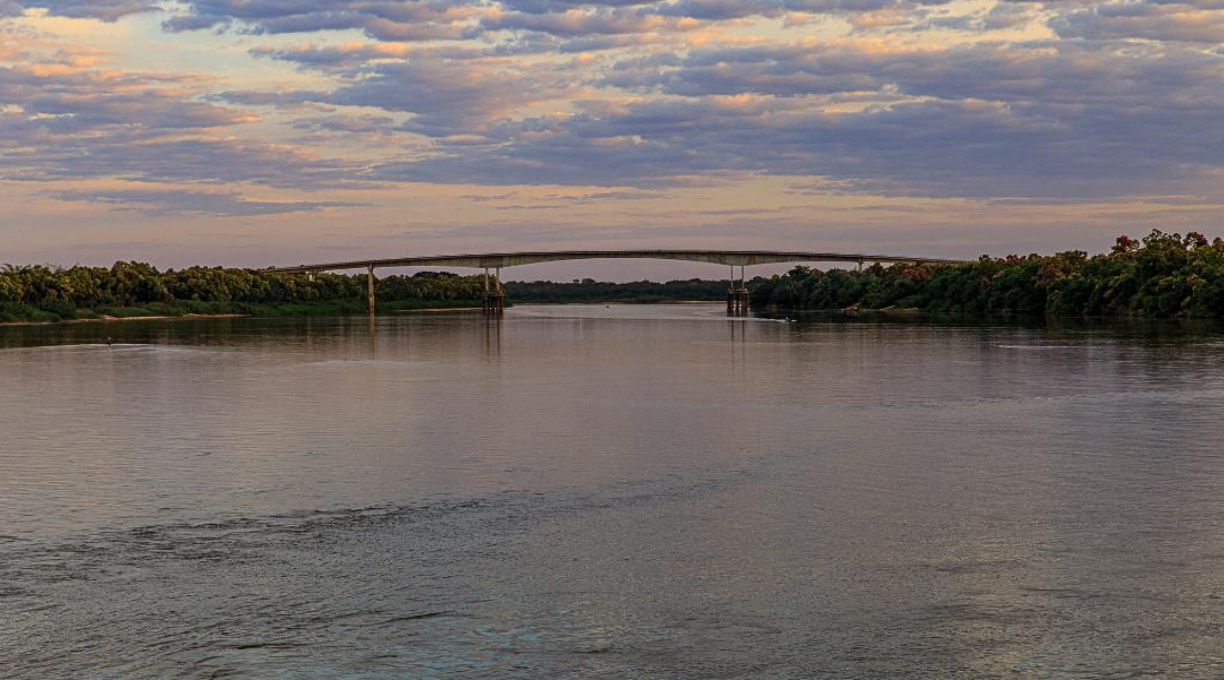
[736,258]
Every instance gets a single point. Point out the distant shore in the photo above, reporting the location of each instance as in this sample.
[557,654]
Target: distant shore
[175,311]
[179,317]
[110,319]
[185,310]
[31,294]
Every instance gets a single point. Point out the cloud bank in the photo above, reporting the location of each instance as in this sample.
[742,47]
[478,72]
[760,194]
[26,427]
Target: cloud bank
[903,98]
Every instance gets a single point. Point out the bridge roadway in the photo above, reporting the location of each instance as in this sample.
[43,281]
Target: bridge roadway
[734,258]
[737,295]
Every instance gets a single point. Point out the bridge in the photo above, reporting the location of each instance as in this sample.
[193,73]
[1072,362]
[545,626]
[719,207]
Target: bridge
[493,263]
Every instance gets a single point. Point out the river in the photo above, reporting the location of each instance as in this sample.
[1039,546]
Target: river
[619,491]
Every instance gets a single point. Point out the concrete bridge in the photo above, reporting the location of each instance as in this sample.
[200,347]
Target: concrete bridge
[737,294]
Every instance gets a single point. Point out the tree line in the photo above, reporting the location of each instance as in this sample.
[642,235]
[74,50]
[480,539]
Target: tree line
[590,290]
[44,293]
[49,293]
[1164,275]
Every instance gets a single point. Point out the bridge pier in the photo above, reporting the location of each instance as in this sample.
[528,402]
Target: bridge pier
[494,295]
[737,295]
[737,303]
[370,291]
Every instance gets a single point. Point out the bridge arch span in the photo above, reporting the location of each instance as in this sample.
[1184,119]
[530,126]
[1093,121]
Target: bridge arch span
[737,294]
[733,258]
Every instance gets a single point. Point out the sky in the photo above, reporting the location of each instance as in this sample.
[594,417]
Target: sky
[263,132]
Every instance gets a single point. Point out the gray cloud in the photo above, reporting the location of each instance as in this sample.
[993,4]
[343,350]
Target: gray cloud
[385,19]
[1201,22]
[78,122]
[579,23]
[1010,118]
[179,202]
[446,96]
[74,100]
[933,148]
[213,160]
[721,10]
[1040,74]
[347,124]
[402,20]
[351,60]
[106,10]
[1093,113]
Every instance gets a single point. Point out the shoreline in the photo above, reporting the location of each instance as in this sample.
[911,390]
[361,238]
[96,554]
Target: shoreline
[112,319]
[405,310]
[436,309]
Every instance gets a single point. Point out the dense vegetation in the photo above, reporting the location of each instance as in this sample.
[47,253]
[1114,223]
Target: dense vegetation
[37,293]
[590,290]
[1162,276]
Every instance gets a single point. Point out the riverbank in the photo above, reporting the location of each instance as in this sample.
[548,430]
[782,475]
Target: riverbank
[31,316]
[25,315]
[34,293]
[1162,276]
[109,319]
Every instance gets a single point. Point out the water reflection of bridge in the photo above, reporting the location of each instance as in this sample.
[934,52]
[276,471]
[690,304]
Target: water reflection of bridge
[493,263]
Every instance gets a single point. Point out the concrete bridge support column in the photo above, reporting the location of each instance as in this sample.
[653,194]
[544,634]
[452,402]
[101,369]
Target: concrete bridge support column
[370,291]
[737,303]
[737,295]
[494,294]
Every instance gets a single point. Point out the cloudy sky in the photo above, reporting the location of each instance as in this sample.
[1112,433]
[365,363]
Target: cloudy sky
[254,132]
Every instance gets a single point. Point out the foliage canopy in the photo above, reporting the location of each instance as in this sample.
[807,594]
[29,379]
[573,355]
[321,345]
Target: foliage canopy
[1161,276]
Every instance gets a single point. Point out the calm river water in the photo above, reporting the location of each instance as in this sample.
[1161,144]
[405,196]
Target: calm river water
[648,492]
